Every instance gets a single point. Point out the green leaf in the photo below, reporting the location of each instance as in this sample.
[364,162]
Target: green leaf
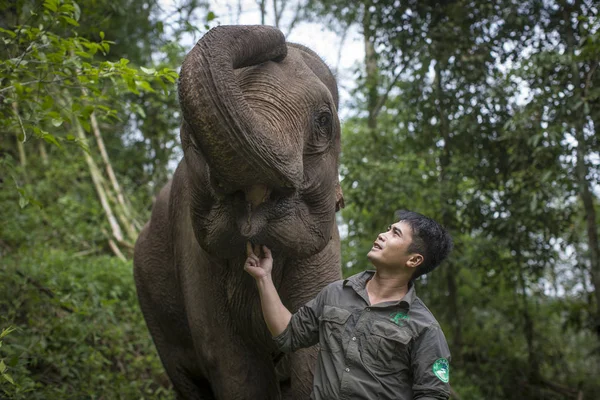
[8,378]
[83,54]
[70,21]
[67,9]
[57,122]
[23,201]
[9,33]
[101,35]
[86,125]
[210,16]
[139,111]
[131,85]
[7,331]
[149,71]
[51,5]
[145,86]
[50,139]
[164,87]
[2,367]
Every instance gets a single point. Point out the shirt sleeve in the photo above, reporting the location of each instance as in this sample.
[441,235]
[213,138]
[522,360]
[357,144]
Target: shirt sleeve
[430,364]
[303,329]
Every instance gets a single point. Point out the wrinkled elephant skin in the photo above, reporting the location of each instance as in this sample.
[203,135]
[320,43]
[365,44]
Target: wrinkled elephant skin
[261,141]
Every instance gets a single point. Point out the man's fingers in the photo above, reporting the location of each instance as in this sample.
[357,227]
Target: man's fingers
[249,250]
[257,250]
[267,252]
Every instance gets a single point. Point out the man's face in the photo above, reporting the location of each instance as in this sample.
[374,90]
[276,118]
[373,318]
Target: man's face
[391,248]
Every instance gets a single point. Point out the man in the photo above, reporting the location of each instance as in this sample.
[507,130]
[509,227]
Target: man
[378,340]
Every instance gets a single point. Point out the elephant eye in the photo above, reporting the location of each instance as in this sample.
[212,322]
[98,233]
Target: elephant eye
[322,132]
[324,120]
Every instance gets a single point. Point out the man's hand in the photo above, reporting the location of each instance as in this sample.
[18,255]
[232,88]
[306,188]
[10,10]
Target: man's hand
[275,314]
[259,268]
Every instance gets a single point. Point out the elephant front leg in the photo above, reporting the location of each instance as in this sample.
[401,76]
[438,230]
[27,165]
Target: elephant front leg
[242,374]
[302,363]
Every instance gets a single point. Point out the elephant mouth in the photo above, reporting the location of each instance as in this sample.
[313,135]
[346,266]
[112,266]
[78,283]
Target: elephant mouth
[256,206]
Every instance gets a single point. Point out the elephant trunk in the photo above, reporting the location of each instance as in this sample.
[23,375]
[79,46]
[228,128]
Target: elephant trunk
[241,148]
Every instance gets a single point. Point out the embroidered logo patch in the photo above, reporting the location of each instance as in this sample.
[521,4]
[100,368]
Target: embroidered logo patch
[441,369]
[399,318]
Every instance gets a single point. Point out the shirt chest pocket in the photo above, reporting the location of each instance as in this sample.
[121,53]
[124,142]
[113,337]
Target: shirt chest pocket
[386,348]
[333,321]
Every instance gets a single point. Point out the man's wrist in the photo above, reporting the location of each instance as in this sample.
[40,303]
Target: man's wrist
[264,281]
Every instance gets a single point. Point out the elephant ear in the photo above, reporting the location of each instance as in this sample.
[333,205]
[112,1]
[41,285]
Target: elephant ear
[339,197]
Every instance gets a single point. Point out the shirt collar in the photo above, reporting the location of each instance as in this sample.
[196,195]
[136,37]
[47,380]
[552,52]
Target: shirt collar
[359,283]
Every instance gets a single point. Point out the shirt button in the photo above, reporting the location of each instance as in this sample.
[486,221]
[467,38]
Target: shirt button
[347,369]
[354,339]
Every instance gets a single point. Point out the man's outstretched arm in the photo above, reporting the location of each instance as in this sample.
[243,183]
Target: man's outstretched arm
[276,316]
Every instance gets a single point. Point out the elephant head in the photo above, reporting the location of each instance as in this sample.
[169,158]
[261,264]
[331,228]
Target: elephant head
[261,140]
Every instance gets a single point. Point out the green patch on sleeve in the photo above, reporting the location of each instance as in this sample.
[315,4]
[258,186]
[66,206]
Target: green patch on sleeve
[441,369]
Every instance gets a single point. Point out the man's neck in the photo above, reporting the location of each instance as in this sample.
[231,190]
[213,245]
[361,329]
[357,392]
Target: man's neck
[384,286]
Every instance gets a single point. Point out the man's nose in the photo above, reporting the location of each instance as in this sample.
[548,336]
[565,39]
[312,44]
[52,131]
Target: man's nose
[381,237]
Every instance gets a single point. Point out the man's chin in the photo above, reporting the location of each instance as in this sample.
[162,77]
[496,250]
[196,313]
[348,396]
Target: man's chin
[372,255]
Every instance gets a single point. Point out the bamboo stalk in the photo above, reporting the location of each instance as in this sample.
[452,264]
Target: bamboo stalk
[117,233]
[43,153]
[115,249]
[126,218]
[120,215]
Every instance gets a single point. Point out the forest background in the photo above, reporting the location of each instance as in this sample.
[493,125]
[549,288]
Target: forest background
[480,114]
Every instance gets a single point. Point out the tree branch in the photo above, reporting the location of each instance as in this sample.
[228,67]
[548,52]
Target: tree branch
[384,97]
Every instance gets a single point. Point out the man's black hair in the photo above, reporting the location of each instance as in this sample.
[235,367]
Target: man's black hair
[429,239]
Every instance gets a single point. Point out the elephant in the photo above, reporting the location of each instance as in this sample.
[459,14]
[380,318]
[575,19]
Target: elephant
[261,142]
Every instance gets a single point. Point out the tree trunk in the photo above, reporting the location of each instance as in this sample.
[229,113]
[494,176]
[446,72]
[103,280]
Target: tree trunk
[528,324]
[582,171]
[263,10]
[277,13]
[446,193]
[372,80]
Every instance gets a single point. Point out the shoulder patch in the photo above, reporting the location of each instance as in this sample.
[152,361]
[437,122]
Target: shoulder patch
[441,369]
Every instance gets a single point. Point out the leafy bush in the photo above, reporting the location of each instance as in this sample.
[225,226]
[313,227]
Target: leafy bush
[79,331]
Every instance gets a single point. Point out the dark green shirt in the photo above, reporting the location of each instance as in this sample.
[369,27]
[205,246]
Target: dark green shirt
[392,350]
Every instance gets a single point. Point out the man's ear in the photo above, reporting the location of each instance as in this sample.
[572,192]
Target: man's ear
[414,261]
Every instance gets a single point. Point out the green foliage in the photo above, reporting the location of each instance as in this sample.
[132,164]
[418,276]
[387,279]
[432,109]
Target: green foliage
[47,64]
[3,368]
[78,333]
[71,216]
